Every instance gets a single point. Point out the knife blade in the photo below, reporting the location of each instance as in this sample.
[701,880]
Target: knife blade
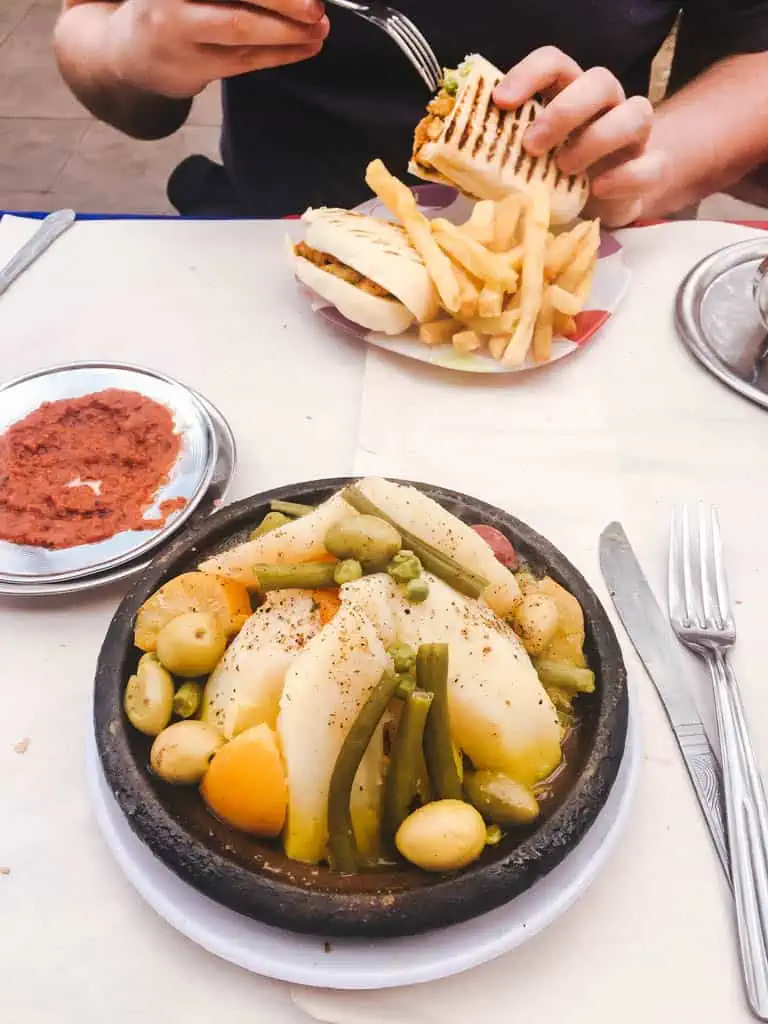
[54,225]
[659,651]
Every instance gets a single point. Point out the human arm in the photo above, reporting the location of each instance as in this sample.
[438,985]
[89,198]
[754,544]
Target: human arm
[710,132]
[137,64]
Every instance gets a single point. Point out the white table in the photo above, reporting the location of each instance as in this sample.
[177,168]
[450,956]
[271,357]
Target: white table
[620,431]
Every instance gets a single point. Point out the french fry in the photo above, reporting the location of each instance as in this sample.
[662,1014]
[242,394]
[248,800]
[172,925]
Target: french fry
[400,201]
[466,342]
[582,260]
[542,333]
[562,249]
[438,332]
[535,233]
[584,287]
[490,301]
[469,293]
[563,301]
[503,324]
[480,225]
[563,326]
[497,345]
[475,258]
[508,213]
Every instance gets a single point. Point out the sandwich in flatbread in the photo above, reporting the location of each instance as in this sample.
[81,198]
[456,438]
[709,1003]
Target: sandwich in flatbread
[468,142]
[366,268]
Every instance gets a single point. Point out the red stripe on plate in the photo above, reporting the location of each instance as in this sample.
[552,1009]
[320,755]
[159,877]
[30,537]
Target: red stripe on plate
[588,323]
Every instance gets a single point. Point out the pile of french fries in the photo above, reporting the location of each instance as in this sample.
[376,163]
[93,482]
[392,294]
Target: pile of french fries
[506,283]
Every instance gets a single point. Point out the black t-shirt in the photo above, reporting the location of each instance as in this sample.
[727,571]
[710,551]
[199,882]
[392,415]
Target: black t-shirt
[302,135]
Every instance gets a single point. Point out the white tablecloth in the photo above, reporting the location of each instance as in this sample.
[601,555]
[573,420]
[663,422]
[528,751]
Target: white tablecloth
[620,431]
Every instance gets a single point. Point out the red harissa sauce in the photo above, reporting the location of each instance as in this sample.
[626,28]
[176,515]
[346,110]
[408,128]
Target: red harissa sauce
[80,470]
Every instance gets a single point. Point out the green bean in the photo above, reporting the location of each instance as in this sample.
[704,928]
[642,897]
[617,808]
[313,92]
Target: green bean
[401,784]
[432,675]
[433,560]
[304,576]
[342,846]
[271,521]
[565,675]
[291,508]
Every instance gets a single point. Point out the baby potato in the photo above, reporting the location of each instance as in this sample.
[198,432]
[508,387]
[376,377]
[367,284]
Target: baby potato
[537,620]
[442,836]
[182,752]
[191,645]
[148,699]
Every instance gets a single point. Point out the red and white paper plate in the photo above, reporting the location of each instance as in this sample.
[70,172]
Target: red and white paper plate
[610,284]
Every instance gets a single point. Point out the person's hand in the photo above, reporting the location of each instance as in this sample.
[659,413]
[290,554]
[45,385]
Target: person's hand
[601,132]
[175,48]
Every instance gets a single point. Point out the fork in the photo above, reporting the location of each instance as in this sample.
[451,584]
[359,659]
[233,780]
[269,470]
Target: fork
[702,618]
[405,34]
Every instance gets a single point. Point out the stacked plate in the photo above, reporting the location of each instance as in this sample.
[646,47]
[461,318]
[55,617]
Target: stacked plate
[201,476]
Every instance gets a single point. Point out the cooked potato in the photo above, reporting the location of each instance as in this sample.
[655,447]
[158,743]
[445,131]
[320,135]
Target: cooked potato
[537,620]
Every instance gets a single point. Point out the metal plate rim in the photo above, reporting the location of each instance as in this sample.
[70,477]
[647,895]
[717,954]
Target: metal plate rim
[163,534]
[687,312]
[227,447]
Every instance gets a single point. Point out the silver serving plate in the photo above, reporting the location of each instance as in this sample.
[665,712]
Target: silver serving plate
[190,476]
[223,473]
[718,317]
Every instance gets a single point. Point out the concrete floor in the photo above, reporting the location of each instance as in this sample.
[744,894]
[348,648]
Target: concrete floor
[54,155]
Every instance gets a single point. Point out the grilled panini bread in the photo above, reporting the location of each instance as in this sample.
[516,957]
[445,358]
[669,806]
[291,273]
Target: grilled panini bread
[468,142]
[366,268]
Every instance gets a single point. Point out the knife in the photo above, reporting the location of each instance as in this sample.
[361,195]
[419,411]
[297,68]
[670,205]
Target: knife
[54,225]
[657,646]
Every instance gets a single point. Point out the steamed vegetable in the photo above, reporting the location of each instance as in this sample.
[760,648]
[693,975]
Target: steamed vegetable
[187,699]
[565,676]
[244,689]
[501,716]
[325,688]
[347,571]
[302,576]
[271,521]
[342,844]
[301,540]
[182,752]
[226,600]
[432,676]
[537,620]
[191,645]
[441,564]
[367,539]
[292,509]
[413,512]
[501,799]
[244,784]
[148,699]
[404,780]
[446,835]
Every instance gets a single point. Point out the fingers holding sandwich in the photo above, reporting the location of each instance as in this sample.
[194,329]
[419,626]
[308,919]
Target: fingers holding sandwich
[596,128]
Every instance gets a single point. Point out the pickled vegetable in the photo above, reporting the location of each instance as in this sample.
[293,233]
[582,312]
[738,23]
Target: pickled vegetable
[148,699]
[367,539]
[182,752]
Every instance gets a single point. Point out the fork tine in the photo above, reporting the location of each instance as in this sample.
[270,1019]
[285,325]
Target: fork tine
[675,596]
[418,45]
[394,30]
[721,580]
[691,605]
[416,37]
[705,556]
